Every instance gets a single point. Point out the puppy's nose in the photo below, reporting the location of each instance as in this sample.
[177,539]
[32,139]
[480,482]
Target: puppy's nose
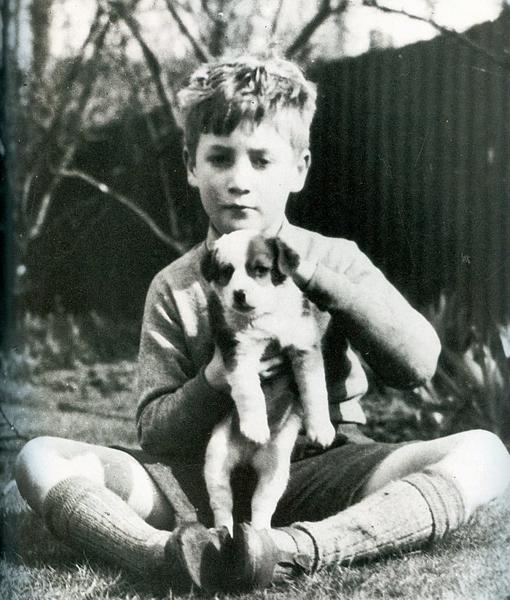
[240,297]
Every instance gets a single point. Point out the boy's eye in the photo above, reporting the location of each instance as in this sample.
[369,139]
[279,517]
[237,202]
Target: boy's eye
[219,160]
[260,162]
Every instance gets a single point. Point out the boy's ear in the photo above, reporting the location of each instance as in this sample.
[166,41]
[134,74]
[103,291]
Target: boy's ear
[189,161]
[302,167]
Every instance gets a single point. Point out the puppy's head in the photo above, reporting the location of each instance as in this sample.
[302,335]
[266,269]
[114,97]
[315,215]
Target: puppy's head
[248,271]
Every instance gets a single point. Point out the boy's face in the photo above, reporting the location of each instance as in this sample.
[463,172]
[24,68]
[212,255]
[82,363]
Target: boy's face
[245,178]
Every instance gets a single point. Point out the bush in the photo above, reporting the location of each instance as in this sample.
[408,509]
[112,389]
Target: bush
[61,340]
[471,387]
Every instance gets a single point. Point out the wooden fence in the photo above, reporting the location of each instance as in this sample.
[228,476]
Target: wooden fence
[412,160]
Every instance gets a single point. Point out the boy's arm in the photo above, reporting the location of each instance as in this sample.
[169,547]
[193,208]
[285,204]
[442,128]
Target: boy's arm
[177,407]
[395,339]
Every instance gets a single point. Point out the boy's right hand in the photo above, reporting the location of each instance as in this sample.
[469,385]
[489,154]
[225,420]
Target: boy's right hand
[215,371]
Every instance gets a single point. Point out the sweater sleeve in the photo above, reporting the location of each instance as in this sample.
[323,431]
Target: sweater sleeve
[395,340]
[177,407]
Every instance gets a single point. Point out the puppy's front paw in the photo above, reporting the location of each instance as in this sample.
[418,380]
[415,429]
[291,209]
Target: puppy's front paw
[255,429]
[320,433]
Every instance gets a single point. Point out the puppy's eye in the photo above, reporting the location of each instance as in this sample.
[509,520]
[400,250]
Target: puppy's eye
[260,271]
[225,274]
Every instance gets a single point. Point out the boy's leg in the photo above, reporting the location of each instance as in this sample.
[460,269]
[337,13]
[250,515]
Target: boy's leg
[100,500]
[476,461]
[46,461]
[415,495]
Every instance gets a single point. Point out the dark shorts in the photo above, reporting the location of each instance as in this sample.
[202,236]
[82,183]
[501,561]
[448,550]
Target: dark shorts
[320,484]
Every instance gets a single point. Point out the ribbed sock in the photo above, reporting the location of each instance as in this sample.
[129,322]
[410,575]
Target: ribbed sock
[87,516]
[404,514]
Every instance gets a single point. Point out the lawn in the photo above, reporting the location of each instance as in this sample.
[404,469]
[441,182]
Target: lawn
[96,404]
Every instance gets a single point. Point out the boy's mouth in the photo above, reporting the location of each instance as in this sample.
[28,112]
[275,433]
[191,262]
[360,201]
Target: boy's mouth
[238,207]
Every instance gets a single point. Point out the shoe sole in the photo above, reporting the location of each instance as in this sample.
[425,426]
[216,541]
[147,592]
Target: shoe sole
[254,558]
[200,558]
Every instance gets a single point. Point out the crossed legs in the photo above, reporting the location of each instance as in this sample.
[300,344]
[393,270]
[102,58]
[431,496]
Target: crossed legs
[102,499]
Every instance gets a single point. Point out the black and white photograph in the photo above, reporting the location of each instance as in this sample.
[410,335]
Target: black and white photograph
[255,299]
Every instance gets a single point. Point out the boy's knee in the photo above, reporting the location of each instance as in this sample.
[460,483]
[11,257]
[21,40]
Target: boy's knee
[485,445]
[494,449]
[32,453]
[479,463]
[488,439]
[36,469]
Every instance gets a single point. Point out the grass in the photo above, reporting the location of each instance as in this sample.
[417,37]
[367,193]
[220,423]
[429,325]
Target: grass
[94,403]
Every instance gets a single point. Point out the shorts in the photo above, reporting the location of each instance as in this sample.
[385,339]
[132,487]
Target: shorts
[321,483]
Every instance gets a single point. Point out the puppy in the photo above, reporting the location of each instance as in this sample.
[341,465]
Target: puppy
[254,304]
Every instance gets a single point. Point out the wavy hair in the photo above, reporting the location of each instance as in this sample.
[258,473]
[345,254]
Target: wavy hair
[219,96]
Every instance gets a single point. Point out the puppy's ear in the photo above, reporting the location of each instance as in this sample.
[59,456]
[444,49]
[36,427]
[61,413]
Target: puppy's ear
[285,260]
[209,266]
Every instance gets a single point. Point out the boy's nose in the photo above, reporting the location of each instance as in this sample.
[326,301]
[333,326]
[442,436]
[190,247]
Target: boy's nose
[237,191]
[239,183]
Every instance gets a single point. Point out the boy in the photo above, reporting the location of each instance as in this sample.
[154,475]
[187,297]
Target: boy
[246,126]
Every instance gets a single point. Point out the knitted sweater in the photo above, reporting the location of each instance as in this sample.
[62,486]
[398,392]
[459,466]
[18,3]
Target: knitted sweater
[178,409]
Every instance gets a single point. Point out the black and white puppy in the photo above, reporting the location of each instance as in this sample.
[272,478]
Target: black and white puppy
[254,303]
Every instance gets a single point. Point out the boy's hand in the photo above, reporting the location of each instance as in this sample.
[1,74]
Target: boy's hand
[215,371]
[292,265]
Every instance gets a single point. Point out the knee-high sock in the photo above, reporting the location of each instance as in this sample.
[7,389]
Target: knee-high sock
[404,514]
[89,517]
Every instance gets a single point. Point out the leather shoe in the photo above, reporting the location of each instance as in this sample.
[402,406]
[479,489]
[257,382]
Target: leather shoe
[199,555]
[257,562]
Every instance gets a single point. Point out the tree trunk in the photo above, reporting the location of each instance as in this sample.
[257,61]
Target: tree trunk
[9,177]
[40,21]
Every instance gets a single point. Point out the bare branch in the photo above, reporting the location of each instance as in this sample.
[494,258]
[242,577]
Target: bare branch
[98,29]
[136,91]
[325,11]
[150,57]
[503,61]
[219,35]
[71,129]
[276,18]
[11,426]
[207,10]
[44,207]
[129,204]
[200,52]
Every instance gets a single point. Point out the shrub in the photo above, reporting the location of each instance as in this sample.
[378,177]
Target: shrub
[471,387]
[61,340]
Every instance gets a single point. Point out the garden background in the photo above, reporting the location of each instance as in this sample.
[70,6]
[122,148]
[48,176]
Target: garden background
[411,147]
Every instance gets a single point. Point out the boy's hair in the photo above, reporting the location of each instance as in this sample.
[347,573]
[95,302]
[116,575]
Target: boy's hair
[219,96]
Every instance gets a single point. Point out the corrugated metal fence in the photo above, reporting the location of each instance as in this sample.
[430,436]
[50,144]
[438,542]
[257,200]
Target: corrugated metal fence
[412,160]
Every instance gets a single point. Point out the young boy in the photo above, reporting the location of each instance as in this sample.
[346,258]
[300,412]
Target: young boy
[246,127]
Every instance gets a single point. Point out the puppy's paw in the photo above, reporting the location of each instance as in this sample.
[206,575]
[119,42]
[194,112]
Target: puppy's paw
[320,433]
[255,429]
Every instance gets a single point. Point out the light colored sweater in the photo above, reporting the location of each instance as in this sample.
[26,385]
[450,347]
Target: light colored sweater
[178,409]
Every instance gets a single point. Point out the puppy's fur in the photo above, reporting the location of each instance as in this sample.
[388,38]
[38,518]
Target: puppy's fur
[253,304]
